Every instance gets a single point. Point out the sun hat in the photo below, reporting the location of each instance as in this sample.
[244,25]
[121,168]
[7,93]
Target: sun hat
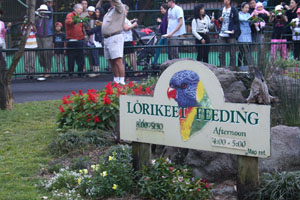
[43,7]
[58,24]
[91,9]
[278,7]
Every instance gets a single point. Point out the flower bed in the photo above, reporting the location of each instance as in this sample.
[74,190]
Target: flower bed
[98,109]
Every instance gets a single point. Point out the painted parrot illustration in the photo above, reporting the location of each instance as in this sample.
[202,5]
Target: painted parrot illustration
[188,91]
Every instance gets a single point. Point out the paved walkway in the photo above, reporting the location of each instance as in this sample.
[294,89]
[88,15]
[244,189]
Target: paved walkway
[55,88]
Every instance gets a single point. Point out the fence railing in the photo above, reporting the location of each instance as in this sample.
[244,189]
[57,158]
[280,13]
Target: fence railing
[219,54]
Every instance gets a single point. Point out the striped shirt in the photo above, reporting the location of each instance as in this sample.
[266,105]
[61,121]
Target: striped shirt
[31,42]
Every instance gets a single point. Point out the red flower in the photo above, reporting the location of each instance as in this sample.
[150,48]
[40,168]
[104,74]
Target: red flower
[207,185]
[89,115]
[115,85]
[130,84]
[80,93]
[106,100]
[90,119]
[198,189]
[70,107]
[138,91]
[148,90]
[64,100]
[171,168]
[109,90]
[61,109]
[96,119]
[74,93]
[92,97]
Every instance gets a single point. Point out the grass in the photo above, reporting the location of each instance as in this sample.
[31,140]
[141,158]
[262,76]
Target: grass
[25,133]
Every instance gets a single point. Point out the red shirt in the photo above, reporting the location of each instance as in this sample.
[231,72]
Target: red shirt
[73,31]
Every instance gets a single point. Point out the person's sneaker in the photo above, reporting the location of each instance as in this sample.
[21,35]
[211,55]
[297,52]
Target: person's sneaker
[122,83]
[92,75]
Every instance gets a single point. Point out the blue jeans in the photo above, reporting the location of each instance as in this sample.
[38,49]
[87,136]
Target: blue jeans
[162,41]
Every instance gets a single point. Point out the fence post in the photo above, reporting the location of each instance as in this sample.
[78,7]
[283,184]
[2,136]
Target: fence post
[141,154]
[248,175]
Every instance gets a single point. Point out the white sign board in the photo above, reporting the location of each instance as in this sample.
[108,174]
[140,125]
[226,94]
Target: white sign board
[188,110]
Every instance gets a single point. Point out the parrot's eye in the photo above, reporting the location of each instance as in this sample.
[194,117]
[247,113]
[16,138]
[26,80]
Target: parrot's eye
[183,86]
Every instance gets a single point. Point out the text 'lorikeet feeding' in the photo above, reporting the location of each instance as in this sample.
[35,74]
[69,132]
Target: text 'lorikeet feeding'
[188,91]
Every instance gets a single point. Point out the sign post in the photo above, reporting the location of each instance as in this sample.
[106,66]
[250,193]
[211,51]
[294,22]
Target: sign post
[188,110]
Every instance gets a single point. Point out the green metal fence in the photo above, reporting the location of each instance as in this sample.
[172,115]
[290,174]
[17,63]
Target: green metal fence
[145,56]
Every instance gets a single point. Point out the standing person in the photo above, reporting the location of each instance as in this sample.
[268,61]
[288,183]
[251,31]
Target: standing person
[295,27]
[252,4]
[94,53]
[31,43]
[75,37]
[59,41]
[291,14]
[176,28]
[3,32]
[163,30]
[200,27]
[279,20]
[230,31]
[85,6]
[44,23]
[245,37]
[112,27]
[128,39]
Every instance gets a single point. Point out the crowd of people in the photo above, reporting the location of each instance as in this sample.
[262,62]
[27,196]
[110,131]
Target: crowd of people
[106,25]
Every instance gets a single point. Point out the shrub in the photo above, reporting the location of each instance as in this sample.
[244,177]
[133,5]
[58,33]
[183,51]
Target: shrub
[97,109]
[80,163]
[163,180]
[79,140]
[278,186]
[114,176]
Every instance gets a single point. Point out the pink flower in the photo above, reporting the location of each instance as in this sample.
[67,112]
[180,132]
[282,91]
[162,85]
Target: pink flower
[198,189]
[180,178]
[171,168]
[163,176]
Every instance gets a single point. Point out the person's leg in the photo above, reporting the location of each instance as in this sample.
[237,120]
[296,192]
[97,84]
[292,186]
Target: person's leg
[232,51]
[206,48]
[71,57]
[296,50]
[63,62]
[157,51]
[173,51]
[48,42]
[240,54]
[40,52]
[198,42]
[27,62]
[57,60]
[80,56]
[133,61]
[222,51]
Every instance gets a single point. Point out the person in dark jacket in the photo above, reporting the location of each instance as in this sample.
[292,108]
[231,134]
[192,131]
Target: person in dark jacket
[95,39]
[162,30]
[230,31]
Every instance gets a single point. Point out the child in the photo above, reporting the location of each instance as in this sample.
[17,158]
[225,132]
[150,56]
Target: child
[279,20]
[31,43]
[59,41]
[3,32]
[295,26]
[259,9]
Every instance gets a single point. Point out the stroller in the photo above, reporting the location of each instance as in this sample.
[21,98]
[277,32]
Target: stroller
[145,55]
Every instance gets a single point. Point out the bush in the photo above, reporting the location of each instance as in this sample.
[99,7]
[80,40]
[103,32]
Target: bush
[113,177]
[79,140]
[163,180]
[278,186]
[80,163]
[98,109]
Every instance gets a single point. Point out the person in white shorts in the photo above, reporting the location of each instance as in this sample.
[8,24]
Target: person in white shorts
[112,27]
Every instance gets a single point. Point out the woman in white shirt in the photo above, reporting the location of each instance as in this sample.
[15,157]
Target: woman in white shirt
[200,27]
[128,39]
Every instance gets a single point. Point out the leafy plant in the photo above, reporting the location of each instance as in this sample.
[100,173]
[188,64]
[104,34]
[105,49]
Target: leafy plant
[163,180]
[79,140]
[278,186]
[80,163]
[114,176]
[97,109]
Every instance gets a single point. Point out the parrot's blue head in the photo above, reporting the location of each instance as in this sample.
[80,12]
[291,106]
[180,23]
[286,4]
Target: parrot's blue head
[183,88]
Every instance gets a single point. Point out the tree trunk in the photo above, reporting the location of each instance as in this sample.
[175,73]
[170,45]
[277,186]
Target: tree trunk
[6,96]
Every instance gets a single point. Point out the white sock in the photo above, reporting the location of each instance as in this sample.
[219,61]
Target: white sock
[122,80]
[117,79]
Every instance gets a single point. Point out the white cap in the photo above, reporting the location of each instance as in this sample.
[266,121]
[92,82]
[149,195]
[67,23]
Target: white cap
[278,7]
[43,7]
[91,9]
